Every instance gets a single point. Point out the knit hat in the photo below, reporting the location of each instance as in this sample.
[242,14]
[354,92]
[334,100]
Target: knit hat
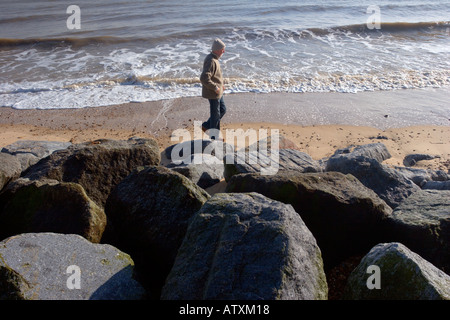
[218,45]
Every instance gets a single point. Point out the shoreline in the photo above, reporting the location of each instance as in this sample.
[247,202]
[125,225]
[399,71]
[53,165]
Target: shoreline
[379,109]
[407,121]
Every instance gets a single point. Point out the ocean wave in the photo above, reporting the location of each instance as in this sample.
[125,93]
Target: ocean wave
[249,33]
[397,26]
[390,27]
[49,43]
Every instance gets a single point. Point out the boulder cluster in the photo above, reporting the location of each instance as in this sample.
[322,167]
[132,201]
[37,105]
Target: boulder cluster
[118,220]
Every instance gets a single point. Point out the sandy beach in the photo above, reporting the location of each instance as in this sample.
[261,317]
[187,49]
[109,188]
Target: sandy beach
[406,121]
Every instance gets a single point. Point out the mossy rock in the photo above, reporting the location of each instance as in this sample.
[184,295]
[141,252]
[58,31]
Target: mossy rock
[35,266]
[50,206]
[403,275]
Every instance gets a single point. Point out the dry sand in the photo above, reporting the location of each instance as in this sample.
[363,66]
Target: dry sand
[407,121]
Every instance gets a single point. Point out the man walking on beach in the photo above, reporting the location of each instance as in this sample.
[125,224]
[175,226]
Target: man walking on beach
[213,88]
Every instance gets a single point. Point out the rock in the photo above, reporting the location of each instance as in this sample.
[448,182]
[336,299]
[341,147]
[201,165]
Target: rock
[29,152]
[422,176]
[187,148]
[10,169]
[390,185]
[203,169]
[437,185]
[422,223]
[404,275]
[375,151]
[411,159]
[49,206]
[39,149]
[97,166]
[365,163]
[345,217]
[247,247]
[44,266]
[256,162]
[150,210]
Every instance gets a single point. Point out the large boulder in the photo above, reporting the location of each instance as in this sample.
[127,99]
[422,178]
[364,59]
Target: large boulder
[98,166]
[149,211]
[203,169]
[345,217]
[247,247]
[390,185]
[50,266]
[437,185]
[185,149]
[411,159]
[249,161]
[49,206]
[422,177]
[375,151]
[29,152]
[10,169]
[422,223]
[391,271]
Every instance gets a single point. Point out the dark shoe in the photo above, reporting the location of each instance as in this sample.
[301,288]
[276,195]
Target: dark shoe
[204,129]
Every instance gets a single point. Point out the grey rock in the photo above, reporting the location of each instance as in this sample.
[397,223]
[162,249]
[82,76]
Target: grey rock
[437,185]
[39,149]
[422,176]
[411,159]
[10,169]
[344,216]
[404,275]
[375,151]
[247,247]
[422,223]
[29,152]
[365,163]
[185,149]
[246,161]
[149,211]
[97,166]
[49,206]
[203,169]
[35,266]
[390,185]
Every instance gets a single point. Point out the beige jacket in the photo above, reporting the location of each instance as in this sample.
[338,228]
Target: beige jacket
[211,77]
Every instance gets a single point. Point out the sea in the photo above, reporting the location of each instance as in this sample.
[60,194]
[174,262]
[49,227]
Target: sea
[80,53]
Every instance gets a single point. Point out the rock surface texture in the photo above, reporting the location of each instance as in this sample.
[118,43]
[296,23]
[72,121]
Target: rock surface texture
[46,266]
[247,246]
[49,206]
[403,275]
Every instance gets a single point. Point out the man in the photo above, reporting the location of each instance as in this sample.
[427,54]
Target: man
[213,88]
